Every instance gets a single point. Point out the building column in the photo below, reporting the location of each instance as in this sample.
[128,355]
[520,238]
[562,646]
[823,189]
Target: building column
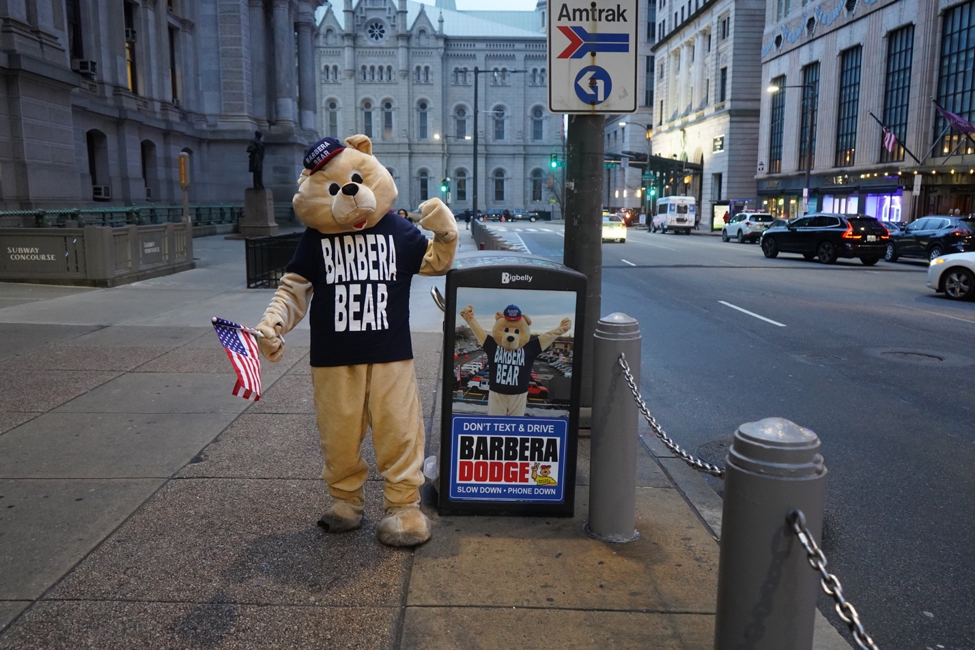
[306,69]
[700,68]
[258,34]
[284,60]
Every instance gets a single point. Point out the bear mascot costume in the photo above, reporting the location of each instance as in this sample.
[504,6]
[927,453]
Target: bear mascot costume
[511,353]
[359,259]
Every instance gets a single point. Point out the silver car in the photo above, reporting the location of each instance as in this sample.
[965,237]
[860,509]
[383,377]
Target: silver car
[953,275]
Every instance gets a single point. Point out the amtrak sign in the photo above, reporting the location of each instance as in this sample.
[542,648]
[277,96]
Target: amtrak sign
[592,56]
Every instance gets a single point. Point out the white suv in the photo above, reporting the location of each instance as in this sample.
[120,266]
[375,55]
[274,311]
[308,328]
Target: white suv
[746,226]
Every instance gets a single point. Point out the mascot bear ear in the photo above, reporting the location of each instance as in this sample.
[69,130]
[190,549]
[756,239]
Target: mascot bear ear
[498,316]
[528,321]
[360,142]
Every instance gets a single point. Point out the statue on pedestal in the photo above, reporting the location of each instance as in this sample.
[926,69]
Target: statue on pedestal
[256,161]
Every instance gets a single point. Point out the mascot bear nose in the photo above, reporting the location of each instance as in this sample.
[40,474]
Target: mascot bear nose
[511,339]
[350,189]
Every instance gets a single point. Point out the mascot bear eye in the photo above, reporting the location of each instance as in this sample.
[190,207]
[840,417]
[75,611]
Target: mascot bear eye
[333,189]
[356,178]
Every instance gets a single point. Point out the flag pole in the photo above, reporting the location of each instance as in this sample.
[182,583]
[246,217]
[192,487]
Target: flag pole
[895,137]
[935,144]
[249,330]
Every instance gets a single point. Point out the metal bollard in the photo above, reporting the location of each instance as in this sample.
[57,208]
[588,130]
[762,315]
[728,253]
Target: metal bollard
[612,475]
[766,589]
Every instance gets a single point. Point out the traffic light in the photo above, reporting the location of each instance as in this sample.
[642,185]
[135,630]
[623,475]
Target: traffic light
[443,185]
[554,160]
[653,191]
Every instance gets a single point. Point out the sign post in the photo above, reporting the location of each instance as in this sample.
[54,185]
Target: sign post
[592,56]
[184,183]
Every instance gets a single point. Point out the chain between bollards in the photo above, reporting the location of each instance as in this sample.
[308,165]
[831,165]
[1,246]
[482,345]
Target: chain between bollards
[694,462]
[831,584]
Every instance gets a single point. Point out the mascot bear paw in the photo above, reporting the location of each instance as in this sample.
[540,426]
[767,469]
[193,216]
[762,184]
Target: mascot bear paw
[405,526]
[341,517]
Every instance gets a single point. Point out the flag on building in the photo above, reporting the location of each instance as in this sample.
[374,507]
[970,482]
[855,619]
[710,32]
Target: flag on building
[957,122]
[890,140]
[241,347]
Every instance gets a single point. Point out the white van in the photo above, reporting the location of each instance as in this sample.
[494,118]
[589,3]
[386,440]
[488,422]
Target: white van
[677,213]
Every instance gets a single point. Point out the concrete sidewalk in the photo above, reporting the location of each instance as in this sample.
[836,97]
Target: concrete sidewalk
[144,506]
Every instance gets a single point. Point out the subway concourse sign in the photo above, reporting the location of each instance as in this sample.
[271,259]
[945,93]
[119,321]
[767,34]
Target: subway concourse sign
[592,56]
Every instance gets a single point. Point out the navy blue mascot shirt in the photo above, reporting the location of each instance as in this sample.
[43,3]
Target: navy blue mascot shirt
[360,310]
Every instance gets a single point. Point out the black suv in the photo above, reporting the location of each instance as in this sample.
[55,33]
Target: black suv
[828,236]
[523,215]
[931,237]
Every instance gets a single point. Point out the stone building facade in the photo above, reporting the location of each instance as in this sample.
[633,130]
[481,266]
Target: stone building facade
[100,97]
[847,67]
[403,73]
[707,99]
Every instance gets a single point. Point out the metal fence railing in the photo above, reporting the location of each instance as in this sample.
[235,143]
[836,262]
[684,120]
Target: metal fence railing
[200,215]
[267,257]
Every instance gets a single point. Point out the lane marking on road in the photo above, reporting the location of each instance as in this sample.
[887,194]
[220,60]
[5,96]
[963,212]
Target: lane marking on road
[627,262]
[646,243]
[934,313]
[745,311]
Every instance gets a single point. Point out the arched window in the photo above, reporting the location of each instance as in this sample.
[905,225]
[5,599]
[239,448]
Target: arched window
[326,74]
[387,120]
[423,121]
[538,123]
[504,76]
[98,162]
[332,119]
[426,74]
[495,76]
[463,78]
[365,73]
[372,73]
[536,185]
[424,185]
[335,72]
[367,118]
[499,185]
[418,74]
[460,121]
[150,171]
[389,73]
[329,37]
[456,77]
[541,78]
[460,184]
[498,122]
[534,77]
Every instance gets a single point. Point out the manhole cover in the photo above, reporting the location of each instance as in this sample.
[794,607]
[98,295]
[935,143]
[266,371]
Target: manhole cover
[916,357]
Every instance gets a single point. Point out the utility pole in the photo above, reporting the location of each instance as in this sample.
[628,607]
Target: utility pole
[583,223]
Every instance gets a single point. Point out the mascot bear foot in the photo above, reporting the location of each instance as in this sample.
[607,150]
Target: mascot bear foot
[406,526]
[341,517]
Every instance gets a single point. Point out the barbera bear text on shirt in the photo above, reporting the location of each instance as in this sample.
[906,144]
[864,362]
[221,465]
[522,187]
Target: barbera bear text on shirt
[359,266]
[508,365]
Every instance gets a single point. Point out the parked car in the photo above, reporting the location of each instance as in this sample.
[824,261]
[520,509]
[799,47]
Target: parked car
[536,391]
[828,236]
[613,229]
[931,237]
[746,226]
[893,227]
[628,215]
[524,215]
[494,214]
[953,275]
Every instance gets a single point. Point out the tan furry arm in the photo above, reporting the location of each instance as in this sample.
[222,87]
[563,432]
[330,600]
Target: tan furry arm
[287,308]
[438,219]
[549,337]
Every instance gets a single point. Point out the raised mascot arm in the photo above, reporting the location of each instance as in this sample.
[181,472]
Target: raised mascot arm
[467,313]
[438,219]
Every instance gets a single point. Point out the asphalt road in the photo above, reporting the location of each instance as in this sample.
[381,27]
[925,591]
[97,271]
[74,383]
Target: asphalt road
[880,367]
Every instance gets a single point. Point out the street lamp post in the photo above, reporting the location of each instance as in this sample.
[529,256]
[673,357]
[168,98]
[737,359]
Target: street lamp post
[809,134]
[646,187]
[478,71]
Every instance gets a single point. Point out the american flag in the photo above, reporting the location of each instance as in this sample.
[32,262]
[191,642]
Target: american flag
[241,347]
[890,140]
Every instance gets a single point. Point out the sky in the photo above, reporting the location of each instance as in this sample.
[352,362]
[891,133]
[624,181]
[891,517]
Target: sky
[491,5]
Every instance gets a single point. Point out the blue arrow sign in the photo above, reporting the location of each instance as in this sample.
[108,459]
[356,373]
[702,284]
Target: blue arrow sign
[593,85]
[582,42]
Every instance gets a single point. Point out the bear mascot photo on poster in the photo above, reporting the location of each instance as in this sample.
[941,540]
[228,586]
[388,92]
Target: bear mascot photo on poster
[358,258]
[511,353]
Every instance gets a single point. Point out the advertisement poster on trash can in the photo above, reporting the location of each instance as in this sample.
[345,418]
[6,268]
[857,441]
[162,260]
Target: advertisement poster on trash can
[498,458]
[512,382]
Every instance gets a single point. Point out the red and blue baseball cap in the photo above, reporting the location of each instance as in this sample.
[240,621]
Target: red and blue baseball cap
[511,312]
[320,153]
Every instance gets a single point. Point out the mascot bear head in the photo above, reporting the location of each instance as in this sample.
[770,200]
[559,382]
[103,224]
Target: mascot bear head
[343,187]
[512,329]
